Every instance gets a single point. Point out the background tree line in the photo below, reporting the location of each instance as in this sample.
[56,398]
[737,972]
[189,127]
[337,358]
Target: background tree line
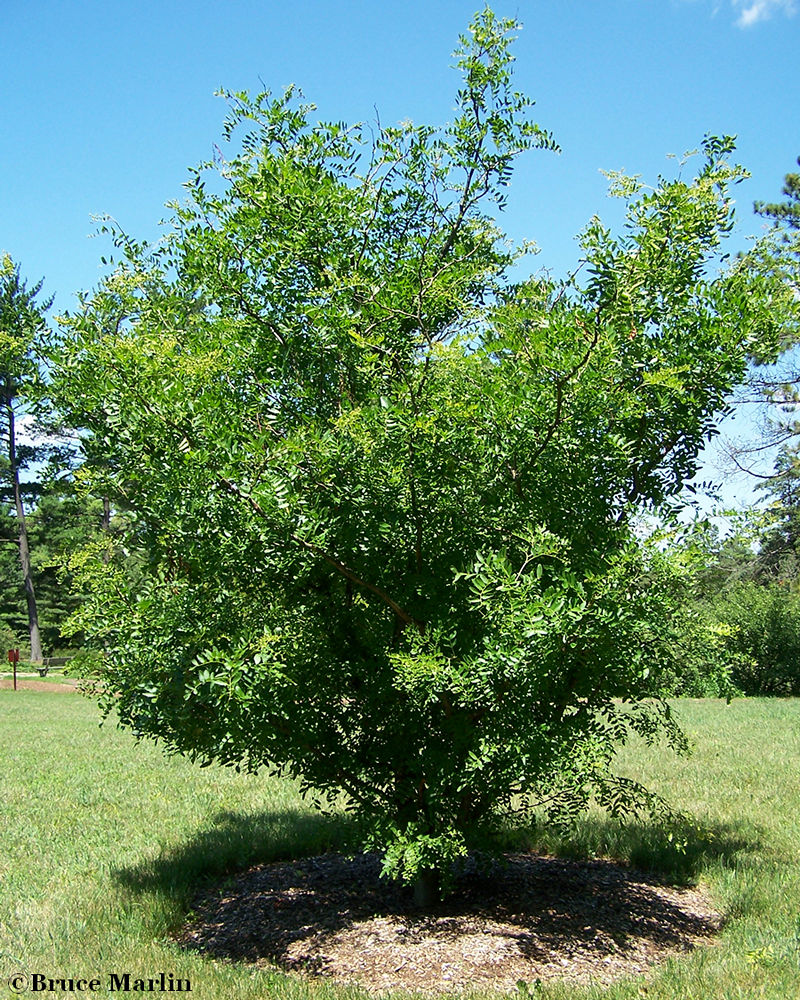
[44,515]
[746,586]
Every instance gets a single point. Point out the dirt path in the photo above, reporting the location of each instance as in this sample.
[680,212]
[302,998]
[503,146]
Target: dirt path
[31,685]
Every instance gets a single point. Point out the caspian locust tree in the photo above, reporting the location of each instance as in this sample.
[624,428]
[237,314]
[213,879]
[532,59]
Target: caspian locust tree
[379,497]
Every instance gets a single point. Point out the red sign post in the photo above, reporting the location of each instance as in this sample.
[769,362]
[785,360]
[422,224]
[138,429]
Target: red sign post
[13,657]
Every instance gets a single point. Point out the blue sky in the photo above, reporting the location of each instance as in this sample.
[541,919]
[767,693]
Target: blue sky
[107,104]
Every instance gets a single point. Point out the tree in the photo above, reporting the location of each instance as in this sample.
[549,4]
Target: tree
[780,388]
[784,213]
[58,522]
[762,623]
[382,499]
[21,322]
[774,378]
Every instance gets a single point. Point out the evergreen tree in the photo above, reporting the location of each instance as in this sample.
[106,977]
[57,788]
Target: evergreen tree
[21,324]
[59,522]
[784,213]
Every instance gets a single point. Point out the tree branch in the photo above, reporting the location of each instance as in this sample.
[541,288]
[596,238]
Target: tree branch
[348,573]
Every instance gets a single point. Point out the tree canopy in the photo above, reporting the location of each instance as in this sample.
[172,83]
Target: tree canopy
[784,213]
[380,495]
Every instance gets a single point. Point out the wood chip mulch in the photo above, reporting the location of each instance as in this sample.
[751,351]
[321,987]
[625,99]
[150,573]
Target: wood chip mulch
[527,918]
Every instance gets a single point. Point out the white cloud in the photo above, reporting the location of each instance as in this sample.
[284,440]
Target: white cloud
[753,11]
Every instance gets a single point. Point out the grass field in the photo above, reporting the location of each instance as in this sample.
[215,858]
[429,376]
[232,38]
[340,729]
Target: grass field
[103,843]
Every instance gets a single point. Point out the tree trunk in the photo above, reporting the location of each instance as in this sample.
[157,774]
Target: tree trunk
[427,888]
[24,551]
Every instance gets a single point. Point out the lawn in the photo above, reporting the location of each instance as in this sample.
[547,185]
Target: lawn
[104,842]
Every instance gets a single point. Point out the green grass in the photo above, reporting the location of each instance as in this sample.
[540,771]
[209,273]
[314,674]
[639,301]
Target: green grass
[103,843]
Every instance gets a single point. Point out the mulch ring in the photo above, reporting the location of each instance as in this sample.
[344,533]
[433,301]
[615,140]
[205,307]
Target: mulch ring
[528,918]
[26,685]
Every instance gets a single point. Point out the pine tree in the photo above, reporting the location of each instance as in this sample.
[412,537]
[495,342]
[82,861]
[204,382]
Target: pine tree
[784,213]
[21,323]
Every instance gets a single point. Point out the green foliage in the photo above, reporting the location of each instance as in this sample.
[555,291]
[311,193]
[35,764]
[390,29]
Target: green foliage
[689,564]
[378,501]
[710,665]
[740,623]
[21,329]
[763,629]
[779,538]
[784,213]
[60,523]
[9,639]
[37,498]
[86,664]
[777,384]
[21,322]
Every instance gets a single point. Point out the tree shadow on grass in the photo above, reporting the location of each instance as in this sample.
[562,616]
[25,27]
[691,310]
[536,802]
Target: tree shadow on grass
[233,842]
[679,849]
[271,888]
